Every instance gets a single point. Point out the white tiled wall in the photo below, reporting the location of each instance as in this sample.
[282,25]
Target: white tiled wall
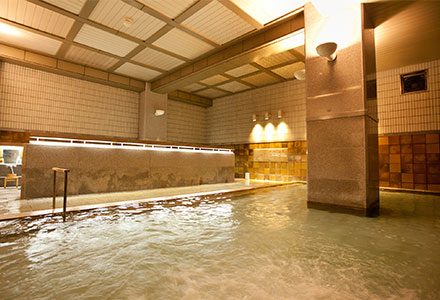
[412,112]
[35,100]
[31,99]
[186,123]
[230,118]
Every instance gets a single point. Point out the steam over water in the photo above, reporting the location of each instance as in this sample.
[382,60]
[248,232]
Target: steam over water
[264,245]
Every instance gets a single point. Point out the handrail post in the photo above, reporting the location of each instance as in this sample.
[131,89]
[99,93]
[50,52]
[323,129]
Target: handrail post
[65,171]
[65,196]
[54,194]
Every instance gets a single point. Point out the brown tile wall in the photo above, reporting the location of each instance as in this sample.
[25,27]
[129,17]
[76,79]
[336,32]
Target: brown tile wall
[294,169]
[410,161]
[405,161]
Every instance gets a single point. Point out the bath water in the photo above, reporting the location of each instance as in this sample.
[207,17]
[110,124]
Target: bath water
[260,245]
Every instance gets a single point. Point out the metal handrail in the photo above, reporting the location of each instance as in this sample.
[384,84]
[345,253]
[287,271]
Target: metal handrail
[65,171]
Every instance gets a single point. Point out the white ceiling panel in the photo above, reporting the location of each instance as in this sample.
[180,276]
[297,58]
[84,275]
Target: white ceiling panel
[288,71]
[218,23]
[170,8]
[243,70]
[111,13]
[234,86]
[277,59]
[260,79]
[211,93]
[26,39]
[136,71]
[74,6]
[90,58]
[214,79]
[102,40]
[180,42]
[265,11]
[157,59]
[35,16]
[193,87]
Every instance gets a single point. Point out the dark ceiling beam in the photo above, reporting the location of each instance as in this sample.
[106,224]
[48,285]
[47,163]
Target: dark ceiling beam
[267,71]
[190,98]
[238,79]
[241,13]
[222,90]
[85,12]
[33,30]
[158,15]
[248,49]
[299,56]
[54,65]
[192,10]
[69,43]
[82,20]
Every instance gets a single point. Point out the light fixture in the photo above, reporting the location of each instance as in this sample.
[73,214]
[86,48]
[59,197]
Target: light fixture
[267,116]
[280,114]
[127,21]
[63,142]
[7,29]
[159,112]
[300,74]
[327,50]
[254,118]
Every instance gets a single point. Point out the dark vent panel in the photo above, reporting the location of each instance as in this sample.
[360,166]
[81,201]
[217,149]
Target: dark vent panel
[413,82]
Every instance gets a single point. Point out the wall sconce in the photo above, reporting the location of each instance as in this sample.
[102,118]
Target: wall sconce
[280,114]
[327,50]
[254,118]
[159,112]
[300,74]
[267,116]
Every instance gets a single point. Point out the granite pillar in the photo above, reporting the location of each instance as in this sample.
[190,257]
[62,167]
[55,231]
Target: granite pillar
[341,121]
[152,127]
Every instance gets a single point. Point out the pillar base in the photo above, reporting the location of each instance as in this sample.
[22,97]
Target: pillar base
[372,211]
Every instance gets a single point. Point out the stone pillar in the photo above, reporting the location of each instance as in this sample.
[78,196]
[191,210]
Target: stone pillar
[151,127]
[342,162]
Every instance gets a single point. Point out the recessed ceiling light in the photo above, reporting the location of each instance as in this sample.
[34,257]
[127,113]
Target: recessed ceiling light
[7,29]
[127,21]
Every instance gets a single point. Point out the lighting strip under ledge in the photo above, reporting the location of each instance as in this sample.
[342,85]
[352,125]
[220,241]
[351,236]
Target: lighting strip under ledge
[53,141]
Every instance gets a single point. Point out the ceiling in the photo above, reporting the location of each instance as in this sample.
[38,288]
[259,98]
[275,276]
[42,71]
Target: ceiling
[406,32]
[267,70]
[149,39]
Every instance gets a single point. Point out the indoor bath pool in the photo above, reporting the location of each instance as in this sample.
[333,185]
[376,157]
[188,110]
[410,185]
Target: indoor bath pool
[260,245]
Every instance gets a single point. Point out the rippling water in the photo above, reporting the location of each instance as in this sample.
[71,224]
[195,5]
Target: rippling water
[263,245]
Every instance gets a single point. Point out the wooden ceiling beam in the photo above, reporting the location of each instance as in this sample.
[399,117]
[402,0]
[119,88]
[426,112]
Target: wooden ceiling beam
[163,18]
[241,13]
[251,48]
[82,20]
[267,71]
[299,56]
[190,98]
[85,12]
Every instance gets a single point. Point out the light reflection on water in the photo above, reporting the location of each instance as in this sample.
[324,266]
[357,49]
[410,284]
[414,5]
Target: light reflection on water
[264,245]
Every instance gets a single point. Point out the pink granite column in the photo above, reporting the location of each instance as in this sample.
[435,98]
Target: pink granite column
[341,122]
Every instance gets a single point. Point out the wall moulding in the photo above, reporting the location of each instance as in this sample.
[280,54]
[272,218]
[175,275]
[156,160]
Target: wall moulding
[44,63]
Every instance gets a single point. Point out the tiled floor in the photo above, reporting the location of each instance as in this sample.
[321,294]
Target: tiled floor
[11,207]
[9,193]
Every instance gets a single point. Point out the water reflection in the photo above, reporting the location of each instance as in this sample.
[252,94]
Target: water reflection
[264,245]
